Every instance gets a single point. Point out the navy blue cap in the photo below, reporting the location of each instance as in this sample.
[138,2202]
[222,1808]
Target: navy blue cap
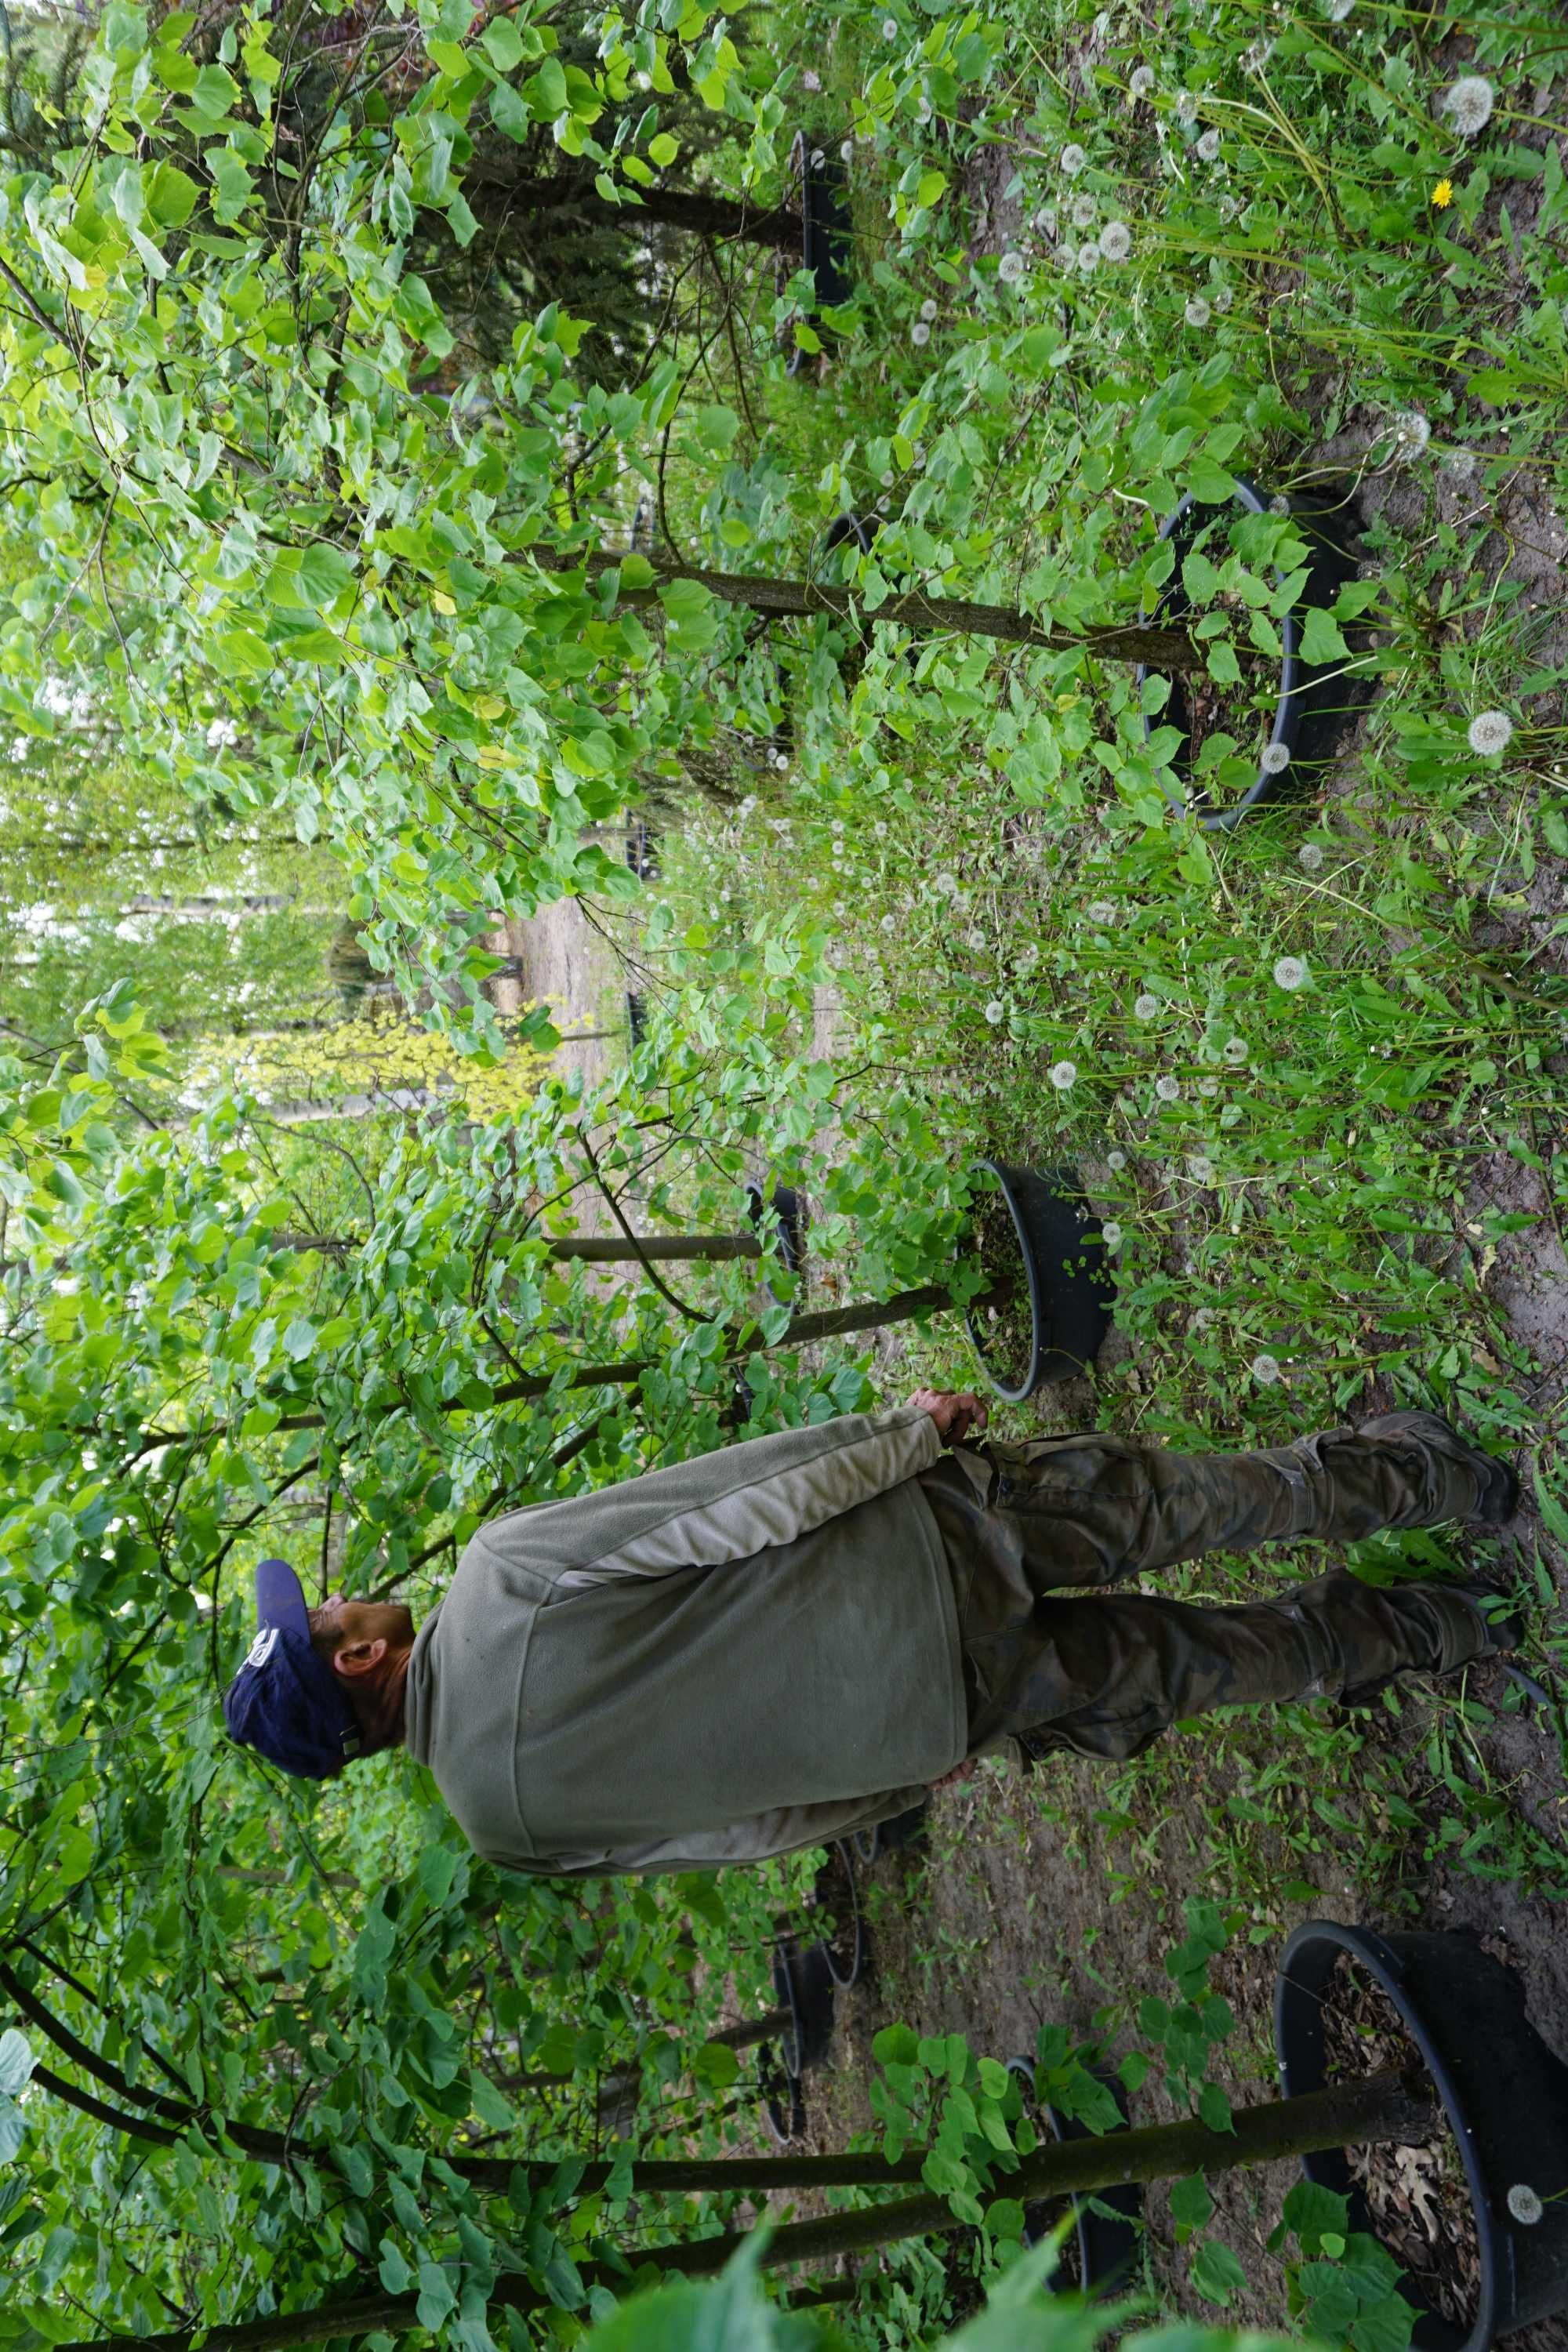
[285,1701]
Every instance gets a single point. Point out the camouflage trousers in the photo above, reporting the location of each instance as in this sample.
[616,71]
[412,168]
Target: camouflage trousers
[1106,1673]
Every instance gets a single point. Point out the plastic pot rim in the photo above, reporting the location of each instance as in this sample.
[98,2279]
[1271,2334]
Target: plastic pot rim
[1036,1304]
[1383,1963]
[1286,719]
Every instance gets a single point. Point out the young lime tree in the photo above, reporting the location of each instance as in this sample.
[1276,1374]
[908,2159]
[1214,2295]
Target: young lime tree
[349,1342]
[411,605]
[470,2246]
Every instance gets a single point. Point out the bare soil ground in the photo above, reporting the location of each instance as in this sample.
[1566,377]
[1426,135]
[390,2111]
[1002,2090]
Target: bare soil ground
[561,958]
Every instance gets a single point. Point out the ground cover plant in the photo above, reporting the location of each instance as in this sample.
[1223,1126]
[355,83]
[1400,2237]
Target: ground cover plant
[336,540]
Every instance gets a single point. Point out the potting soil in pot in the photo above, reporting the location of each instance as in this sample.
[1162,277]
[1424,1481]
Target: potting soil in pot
[1006,1330]
[1417,2197]
[1042,2214]
[1204,708]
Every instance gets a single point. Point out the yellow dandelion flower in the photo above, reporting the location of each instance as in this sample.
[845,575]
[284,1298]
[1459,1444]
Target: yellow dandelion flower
[1443,194]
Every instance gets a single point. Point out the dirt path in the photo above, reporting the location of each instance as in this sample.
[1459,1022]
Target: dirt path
[563,960]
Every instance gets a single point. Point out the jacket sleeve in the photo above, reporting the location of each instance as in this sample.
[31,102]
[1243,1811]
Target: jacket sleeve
[764,1491]
[758,1839]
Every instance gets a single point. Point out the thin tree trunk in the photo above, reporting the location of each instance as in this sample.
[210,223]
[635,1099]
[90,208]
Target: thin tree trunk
[756,2029]
[496,197]
[615,1250]
[1164,649]
[213,910]
[612,1249]
[802,1329]
[1382,2107]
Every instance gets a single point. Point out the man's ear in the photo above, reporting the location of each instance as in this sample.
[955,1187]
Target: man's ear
[357,1659]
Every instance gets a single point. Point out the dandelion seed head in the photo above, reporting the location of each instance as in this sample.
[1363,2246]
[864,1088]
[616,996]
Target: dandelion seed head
[1236,1051]
[1208,146]
[1289,973]
[1279,504]
[889,28]
[1524,2203]
[1490,732]
[1110,1233]
[1266,1370]
[888,923]
[1309,857]
[1412,432]
[880,828]
[1210,1085]
[1202,1168]
[1074,158]
[1186,109]
[1145,1007]
[1169,1090]
[1088,258]
[847,151]
[1276,759]
[996,1011]
[1198,311]
[1468,104]
[1063,1075]
[928,309]
[1084,209]
[1010,269]
[919,334]
[1102,912]
[1116,240]
[1117,1160]
[1140,81]
[1202,1320]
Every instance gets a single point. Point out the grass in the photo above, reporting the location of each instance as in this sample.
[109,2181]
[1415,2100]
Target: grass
[1317,1079]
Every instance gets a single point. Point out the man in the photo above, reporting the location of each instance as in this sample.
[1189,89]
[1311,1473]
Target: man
[796,1636]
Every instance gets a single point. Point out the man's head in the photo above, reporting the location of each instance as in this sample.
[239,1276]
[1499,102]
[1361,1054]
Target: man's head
[367,1645]
[319,1686]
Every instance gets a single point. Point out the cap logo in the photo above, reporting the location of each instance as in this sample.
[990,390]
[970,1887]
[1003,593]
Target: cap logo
[261,1649]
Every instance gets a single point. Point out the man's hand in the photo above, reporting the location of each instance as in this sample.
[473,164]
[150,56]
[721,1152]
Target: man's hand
[954,1414]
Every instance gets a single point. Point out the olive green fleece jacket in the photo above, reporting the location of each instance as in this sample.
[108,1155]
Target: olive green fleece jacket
[742,1654]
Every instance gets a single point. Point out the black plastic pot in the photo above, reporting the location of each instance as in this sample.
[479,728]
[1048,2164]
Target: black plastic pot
[900,1830]
[847,1949]
[789,1208]
[1108,2244]
[1070,1292]
[642,850]
[803,1981]
[1304,690]
[826,246]
[862,529]
[1504,2092]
